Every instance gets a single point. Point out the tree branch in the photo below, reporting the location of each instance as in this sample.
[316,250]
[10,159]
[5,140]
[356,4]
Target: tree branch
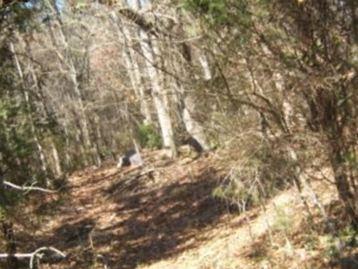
[139,20]
[39,250]
[23,188]
[33,255]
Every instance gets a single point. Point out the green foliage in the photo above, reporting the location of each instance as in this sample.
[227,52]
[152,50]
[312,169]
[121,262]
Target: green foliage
[332,249]
[15,133]
[2,213]
[283,221]
[10,198]
[347,237]
[311,241]
[215,10]
[18,153]
[148,137]
[21,14]
[15,144]
[220,12]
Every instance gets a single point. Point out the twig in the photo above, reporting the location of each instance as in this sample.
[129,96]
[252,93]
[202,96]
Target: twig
[24,188]
[33,255]
[16,255]
[37,251]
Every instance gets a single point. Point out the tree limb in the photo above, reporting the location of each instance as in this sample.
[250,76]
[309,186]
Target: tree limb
[23,188]
[33,255]
[139,20]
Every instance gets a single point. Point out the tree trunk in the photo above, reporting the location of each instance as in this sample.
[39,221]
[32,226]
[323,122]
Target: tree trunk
[31,120]
[68,159]
[160,105]
[192,126]
[205,66]
[342,181]
[56,169]
[132,67]
[83,121]
[150,53]
[2,190]
[187,106]
[158,93]
[56,159]
[98,140]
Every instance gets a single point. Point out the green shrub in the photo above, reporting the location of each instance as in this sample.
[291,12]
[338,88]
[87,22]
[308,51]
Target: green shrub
[283,221]
[149,137]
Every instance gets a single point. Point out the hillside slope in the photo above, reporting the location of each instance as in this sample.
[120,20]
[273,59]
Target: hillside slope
[163,215]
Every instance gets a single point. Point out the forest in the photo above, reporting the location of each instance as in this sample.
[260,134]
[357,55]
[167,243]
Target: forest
[184,134]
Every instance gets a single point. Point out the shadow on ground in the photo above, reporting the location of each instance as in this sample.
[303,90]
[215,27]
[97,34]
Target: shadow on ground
[149,224]
[164,221]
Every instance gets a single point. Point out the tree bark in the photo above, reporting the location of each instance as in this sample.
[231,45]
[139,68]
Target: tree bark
[56,169]
[342,180]
[133,68]
[72,75]
[41,154]
[158,93]
[56,159]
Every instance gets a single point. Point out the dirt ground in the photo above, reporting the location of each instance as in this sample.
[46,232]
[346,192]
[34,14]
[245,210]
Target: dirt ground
[163,215]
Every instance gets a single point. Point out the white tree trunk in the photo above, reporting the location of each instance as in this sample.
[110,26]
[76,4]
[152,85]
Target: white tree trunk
[72,74]
[132,67]
[192,126]
[205,66]
[158,93]
[68,160]
[57,170]
[27,100]
[187,104]
[56,159]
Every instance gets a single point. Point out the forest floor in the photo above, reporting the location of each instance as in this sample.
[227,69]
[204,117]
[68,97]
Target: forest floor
[164,215]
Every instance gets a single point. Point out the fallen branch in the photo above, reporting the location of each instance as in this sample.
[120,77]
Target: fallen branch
[32,256]
[24,188]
